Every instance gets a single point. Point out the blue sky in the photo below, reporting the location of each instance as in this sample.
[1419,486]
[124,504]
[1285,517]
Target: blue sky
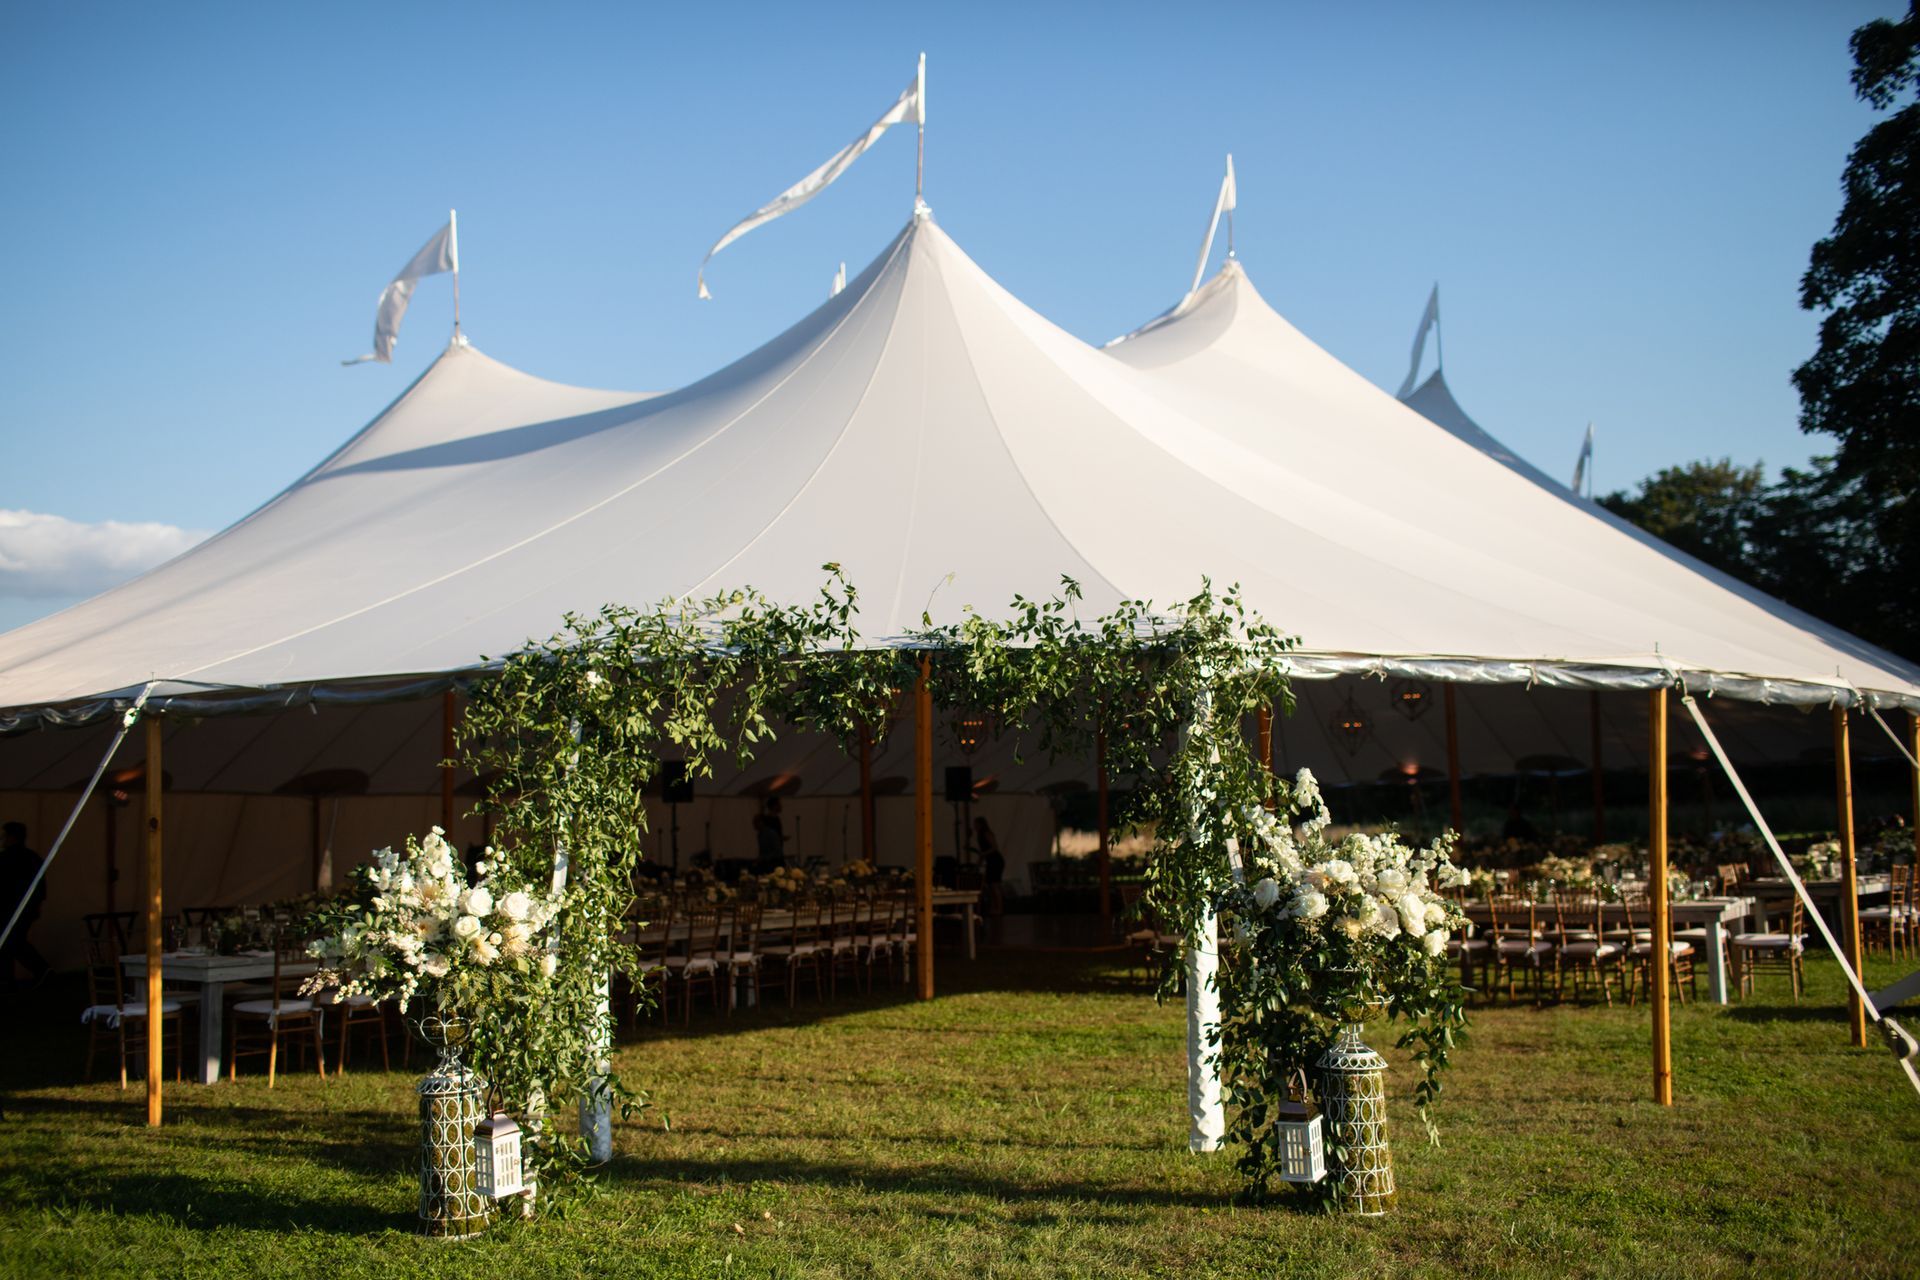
[202,203]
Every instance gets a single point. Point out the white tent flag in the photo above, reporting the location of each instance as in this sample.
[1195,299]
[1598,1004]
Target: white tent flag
[1228,198]
[1429,319]
[910,109]
[440,253]
[1586,460]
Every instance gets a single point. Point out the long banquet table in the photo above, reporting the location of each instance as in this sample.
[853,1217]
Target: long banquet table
[776,919]
[212,974]
[1714,914]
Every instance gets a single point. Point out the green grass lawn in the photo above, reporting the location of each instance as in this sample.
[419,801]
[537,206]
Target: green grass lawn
[1029,1122]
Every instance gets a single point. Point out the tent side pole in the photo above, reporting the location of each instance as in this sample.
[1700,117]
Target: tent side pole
[446,766]
[1659,962]
[866,795]
[923,825]
[156,776]
[1599,769]
[1455,813]
[1849,873]
[1106,851]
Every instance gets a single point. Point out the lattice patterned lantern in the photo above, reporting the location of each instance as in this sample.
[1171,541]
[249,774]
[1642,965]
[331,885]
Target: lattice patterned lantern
[496,1157]
[972,730]
[1350,727]
[1411,698]
[1298,1137]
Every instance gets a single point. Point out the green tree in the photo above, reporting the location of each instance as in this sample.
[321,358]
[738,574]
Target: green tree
[1862,385]
[1706,509]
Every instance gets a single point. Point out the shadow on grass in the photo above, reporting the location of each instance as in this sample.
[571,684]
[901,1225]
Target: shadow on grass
[1785,1013]
[936,1182]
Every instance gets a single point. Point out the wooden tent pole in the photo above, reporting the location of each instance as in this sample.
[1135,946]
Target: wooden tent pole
[1849,873]
[1105,858]
[1599,770]
[155,777]
[1455,813]
[1659,963]
[866,795]
[446,767]
[923,823]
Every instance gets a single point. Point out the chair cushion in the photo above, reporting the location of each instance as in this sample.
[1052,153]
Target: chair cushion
[1769,942]
[1680,948]
[112,1014]
[1590,950]
[1522,947]
[257,1008]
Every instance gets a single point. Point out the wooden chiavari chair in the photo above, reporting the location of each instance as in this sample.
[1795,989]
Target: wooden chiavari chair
[1641,953]
[110,1016]
[1894,923]
[256,1027]
[1755,951]
[801,952]
[700,965]
[742,953]
[1581,945]
[1515,929]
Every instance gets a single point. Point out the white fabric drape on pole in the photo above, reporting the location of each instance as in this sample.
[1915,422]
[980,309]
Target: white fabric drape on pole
[1206,1115]
[439,254]
[910,108]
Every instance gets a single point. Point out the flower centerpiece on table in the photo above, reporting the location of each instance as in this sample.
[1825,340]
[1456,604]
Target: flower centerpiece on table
[410,924]
[1822,860]
[1324,932]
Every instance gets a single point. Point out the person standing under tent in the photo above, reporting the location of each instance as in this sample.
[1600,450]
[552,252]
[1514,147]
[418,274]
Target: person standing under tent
[993,866]
[771,838]
[18,867]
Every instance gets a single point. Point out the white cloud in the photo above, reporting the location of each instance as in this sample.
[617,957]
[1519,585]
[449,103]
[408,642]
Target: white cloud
[48,556]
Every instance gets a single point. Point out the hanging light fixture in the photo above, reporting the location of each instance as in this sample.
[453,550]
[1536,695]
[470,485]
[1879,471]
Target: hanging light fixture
[971,730]
[1350,727]
[1411,698]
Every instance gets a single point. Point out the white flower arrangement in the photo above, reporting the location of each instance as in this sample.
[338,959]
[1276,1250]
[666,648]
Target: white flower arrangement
[1367,890]
[416,925]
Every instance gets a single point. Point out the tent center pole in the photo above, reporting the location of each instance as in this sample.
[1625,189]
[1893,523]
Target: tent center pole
[923,826]
[1455,815]
[156,777]
[1599,769]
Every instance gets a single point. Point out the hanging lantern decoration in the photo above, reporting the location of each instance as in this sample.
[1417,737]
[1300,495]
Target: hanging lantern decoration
[1411,698]
[971,730]
[1350,727]
[1298,1137]
[496,1157]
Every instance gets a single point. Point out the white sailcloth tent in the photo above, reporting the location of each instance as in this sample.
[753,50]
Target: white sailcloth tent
[949,448]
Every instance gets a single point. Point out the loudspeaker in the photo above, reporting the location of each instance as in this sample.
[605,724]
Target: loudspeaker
[959,783]
[675,786]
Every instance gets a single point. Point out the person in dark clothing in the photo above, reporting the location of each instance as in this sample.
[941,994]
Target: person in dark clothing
[770,837]
[993,866]
[18,866]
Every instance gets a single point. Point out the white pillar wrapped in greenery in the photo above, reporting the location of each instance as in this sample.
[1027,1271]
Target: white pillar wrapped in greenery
[1206,1114]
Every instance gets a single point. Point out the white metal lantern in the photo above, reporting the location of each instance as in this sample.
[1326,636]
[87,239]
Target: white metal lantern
[1297,1134]
[496,1156]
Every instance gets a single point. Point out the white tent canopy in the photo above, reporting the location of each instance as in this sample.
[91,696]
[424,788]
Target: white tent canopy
[948,447]
[1539,586]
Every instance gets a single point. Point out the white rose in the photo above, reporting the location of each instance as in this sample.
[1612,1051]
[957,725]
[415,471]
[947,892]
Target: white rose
[435,965]
[1435,942]
[549,963]
[1413,914]
[477,901]
[1393,880]
[1266,893]
[466,928]
[517,905]
[1310,904]
[1339,871]
[1436,914]
[1386,920]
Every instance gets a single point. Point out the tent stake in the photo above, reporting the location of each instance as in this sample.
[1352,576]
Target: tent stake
[1454,812]
[155,778]
[1660,960]
[923,825]
[1849,872]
